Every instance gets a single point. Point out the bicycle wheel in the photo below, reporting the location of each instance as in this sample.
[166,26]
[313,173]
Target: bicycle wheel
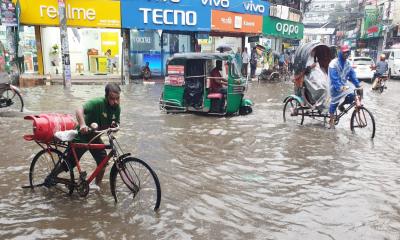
[381,86]
[362,120]
[12,100]
[43,164]
[133,183]
[293,112]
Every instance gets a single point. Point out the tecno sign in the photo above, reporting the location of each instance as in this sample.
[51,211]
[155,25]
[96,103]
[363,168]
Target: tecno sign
[285,28]
[169,17]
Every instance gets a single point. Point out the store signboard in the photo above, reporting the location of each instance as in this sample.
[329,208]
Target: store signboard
[88,13]
[189,15]
[184,15]
[282,28]
[372,23]
[254,7]
[235,22]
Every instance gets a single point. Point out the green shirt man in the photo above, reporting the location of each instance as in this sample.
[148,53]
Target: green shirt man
[98,110]
[105,111]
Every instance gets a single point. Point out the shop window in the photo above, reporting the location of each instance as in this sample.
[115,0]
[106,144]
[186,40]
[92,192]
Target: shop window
[145,47]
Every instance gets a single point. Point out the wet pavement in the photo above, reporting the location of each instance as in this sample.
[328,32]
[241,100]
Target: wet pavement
[243,177]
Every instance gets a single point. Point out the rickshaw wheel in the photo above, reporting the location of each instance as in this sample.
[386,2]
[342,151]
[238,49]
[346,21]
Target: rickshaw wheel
[244,110]
[293,112]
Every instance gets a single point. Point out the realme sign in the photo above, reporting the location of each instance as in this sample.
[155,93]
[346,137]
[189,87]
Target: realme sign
[72,13]
[88,13]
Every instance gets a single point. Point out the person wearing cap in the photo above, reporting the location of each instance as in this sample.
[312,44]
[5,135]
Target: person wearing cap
[381,69]
[339,72]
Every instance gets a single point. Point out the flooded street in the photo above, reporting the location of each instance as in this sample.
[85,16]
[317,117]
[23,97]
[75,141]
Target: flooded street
[242,177]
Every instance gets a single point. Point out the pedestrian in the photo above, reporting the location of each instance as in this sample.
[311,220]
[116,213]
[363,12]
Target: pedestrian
[20,60]
[253,62]
[238,57]
[105,111]
[291,62]
[245,61]
[109,59]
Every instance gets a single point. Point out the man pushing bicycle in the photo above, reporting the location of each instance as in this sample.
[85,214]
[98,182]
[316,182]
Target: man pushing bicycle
[105,111]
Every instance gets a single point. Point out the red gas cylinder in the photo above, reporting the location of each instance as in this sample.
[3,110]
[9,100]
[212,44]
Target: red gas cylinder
[45,125]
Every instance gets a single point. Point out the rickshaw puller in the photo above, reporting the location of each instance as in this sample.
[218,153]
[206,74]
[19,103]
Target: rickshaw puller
[339,71]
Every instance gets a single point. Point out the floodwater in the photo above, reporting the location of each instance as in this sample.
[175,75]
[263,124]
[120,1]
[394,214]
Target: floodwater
[242,177]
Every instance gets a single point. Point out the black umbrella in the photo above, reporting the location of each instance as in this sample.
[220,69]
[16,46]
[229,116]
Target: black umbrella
[224,48]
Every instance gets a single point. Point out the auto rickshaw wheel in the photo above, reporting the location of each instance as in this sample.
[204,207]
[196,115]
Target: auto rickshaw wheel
[244,110]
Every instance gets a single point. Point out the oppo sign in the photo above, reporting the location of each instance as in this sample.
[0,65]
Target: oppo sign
[285,28]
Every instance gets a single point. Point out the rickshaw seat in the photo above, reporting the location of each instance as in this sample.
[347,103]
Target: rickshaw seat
[215,96]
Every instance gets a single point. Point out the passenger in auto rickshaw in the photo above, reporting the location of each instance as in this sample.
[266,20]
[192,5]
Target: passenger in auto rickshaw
[218,83]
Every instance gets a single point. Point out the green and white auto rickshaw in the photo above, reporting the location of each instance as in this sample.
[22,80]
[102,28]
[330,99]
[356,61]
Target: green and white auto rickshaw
[188,84]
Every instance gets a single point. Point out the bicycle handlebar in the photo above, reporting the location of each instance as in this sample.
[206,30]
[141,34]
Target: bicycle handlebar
[107,130]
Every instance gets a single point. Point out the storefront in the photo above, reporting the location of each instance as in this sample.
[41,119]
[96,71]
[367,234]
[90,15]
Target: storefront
[279,30]
[159,29]
[230,29]
[93,28]
[232,23]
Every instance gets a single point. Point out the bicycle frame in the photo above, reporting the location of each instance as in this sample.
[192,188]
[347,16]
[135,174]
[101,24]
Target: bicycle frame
[356,104]
[91,146]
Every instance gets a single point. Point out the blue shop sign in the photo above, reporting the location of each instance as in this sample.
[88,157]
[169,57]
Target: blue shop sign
[254,7]
[182,15]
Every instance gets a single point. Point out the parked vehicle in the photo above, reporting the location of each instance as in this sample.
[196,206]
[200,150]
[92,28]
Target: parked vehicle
[362,67]
[188,83]
[393,58]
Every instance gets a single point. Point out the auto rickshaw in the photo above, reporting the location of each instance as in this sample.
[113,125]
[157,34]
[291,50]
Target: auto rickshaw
[188,80]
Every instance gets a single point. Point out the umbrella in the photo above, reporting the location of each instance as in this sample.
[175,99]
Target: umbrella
[224,48]
[260,47]
[397,45]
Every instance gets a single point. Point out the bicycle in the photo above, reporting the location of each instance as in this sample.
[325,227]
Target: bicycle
[284,72]
[138,181]
[295,109]
[10,95]
[381,85]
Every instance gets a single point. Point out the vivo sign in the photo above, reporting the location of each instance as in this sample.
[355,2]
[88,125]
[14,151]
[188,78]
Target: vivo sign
[169,17]
[251,7]
[285,28]
[216,3]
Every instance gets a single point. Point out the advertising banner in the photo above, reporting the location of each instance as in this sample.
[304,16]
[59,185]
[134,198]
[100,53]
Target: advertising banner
[236,22]
[254,7]
[372,26]
[110,40]
[8,16]
[88,13]
[282,28]
[183,15]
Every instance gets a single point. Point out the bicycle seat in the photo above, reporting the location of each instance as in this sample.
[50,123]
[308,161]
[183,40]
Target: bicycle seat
[66,136]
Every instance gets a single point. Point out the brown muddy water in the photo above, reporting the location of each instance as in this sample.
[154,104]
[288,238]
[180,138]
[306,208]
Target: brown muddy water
[242,177]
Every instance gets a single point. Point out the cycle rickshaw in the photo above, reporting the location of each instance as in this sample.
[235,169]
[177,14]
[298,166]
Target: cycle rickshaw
[187,85]
[311,92]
